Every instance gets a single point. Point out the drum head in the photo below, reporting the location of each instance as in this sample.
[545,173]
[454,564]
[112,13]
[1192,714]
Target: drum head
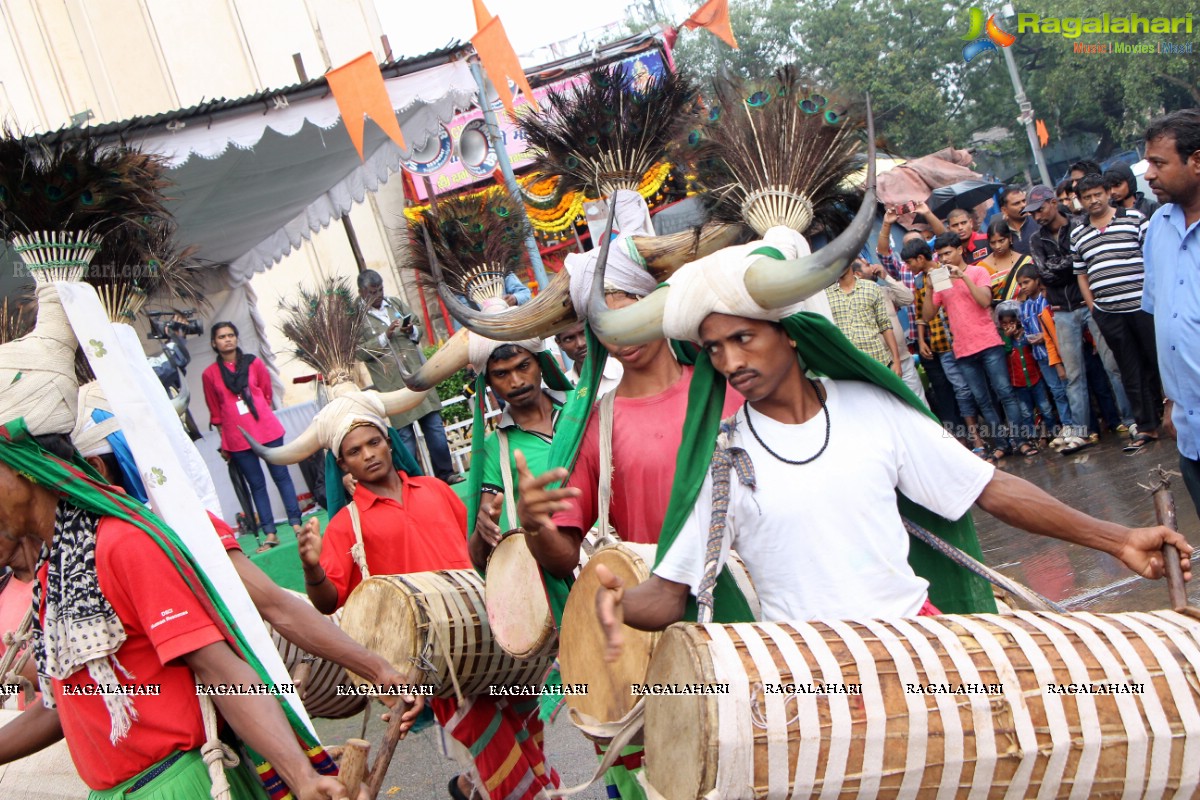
[382,616]
[680,733]
[582,644]
[517,608]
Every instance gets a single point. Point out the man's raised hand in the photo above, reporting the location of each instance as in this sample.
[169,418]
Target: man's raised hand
[308,541]
[537,503]
[610,612]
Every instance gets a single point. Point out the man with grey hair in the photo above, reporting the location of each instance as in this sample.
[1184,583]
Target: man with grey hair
[390,345]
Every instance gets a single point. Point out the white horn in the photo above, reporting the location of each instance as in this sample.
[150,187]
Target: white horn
[449,359]
[293,452]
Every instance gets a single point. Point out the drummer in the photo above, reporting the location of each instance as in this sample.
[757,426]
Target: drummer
[295,620]
[812,551]
[104,580]
[513,371]
[415,524]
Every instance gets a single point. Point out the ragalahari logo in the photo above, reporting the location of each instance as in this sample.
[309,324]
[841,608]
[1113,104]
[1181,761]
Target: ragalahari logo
[982,38]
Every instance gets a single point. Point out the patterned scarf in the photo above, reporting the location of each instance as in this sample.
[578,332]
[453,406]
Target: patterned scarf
[79,627]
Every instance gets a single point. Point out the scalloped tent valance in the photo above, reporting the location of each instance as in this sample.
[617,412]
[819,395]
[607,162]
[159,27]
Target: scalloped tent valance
[252,182]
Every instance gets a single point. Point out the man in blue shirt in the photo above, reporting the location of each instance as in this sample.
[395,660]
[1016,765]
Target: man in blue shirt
[1172,285]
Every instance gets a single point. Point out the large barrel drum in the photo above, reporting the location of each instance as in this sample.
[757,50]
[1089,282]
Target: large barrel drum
[517,607]
[437,622]
[1025,705]
[319,691]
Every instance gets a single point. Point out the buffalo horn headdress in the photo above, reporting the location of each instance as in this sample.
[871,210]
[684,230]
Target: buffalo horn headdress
[770,283]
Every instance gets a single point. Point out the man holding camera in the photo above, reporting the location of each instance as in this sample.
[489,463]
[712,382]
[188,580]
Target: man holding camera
[390,344]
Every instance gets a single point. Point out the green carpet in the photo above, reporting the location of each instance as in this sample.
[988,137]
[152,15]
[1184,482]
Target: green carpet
[282,563]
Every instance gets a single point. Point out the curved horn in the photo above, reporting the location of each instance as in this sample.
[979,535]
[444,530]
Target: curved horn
[775,284]
[547,314]
[449,359]
[772,284]
[293,452]
[665,254]
[180,401]
[401,400]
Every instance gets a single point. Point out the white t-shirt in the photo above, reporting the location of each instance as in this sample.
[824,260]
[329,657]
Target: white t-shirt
[825,540]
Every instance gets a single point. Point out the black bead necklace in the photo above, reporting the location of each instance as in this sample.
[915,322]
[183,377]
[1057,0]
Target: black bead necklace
[803,461]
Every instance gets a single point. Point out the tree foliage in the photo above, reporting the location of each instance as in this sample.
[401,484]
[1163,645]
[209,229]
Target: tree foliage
[908,55]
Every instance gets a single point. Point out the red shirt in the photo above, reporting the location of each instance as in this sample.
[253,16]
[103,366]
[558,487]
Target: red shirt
[426,532]
[163,621]
[228,537]
[976,249]
[646,436]
[223,407]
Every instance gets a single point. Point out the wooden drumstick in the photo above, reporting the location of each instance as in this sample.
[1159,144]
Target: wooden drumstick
[1164,509]
[383,759]
[353,768]
[300,678]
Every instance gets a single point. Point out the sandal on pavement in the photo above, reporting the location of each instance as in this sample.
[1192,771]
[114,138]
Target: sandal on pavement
[1137,442]
[999,453]
[455,792]
[272,541]
[1028,450]
[1074,445]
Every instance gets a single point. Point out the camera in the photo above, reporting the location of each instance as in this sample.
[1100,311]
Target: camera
[164,329]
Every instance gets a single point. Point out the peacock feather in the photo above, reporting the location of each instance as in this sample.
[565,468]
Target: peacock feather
[776,151]
[606,132]
[325,325]
[475,241]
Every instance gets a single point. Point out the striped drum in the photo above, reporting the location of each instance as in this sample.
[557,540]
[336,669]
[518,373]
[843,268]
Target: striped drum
[436,621]
[1023,705]
[319,689]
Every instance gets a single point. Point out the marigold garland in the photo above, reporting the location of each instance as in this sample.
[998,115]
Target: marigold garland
[550,213]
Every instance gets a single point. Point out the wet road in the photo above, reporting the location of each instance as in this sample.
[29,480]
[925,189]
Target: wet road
[1101,480]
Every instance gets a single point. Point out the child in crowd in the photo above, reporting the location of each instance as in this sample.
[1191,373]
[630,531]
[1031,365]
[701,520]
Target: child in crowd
[1023,372]
[1037,322]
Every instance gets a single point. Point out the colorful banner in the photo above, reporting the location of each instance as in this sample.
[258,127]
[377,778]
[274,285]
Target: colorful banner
[465,156]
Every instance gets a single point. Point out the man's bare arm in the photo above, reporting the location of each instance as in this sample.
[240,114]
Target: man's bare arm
[321,591]
[1021,504]
[35,729]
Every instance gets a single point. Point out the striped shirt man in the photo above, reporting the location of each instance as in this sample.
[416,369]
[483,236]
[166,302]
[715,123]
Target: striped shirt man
[1111,258]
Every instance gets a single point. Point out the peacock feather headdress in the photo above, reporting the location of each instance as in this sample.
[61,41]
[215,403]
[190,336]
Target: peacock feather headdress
[325,325]
[475,241]
[781,148]
[606,132]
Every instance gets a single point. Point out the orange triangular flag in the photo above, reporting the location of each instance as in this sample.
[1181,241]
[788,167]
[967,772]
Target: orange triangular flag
[500,62]
[1042,134]
[714,15]
[359,91]
[482,15]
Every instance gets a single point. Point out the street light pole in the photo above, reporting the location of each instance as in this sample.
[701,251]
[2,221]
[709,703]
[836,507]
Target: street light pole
[1026,116]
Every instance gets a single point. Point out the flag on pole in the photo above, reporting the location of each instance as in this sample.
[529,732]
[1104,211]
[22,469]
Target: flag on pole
[359,91]
[1042,134]
[498,58]
[713,15]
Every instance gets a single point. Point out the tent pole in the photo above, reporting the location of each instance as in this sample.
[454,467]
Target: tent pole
[352,237]
[510,180]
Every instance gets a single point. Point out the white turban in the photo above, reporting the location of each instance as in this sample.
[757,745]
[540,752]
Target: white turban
[717,284]
[625,269]
[91,437]
[480,349]
[345,412]
[37,371]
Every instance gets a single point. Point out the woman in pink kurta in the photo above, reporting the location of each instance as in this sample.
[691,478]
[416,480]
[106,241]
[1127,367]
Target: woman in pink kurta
[237,388]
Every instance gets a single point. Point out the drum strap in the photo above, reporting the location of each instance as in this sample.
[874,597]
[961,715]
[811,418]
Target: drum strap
[607,408]
[510,499]
[357,551]
[623,732]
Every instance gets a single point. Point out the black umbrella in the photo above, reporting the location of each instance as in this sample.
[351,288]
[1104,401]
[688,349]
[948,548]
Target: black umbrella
[964,194]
